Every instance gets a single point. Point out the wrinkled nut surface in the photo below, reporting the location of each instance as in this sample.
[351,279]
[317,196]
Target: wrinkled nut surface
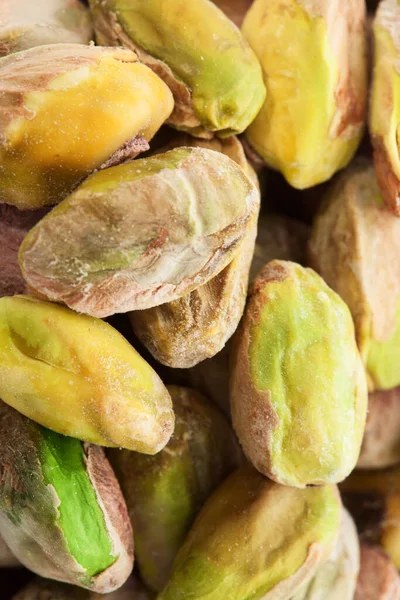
[141,234]
[197,326]
[336,579]
[68,109]
[352,224]
[309,141]
[25,24]
[214,75]
[381,443]
[61,509]
[378,578]
[164,493]
[78,376]
[255,539]
[45,589]
[14,225]
[298,388]
[384,113]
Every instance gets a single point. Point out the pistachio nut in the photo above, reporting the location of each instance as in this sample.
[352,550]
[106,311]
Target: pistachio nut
[61,509]
[14,225]
[384,111]
[298,387]
[373,498]
[234,9]
[351,225]
[25,24]
[78,376]
[381,443]
[46,589]
[255,539]
[68,109]
[309,126]
[165,492]
[197,326]
[7,558]
[336,579]
[141,234]
[214,75]
[378,578]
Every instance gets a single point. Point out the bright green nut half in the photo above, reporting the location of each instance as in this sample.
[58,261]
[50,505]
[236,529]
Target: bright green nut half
[352,223]
[61,510]
[25,24]
[78,376]
[298,389]
[67,110]
[165,492]
[314,60]
[213,73]
[141,234]
[255,539]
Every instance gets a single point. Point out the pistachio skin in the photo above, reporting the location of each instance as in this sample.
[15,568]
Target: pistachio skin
[141,234]
[164,493]
[67,110]
[337,578]
[253,540]
[25,25]
[7,558]
[384,111]
[214,75]
[378,578]
[309,141]
[351,224]
[294,353]
[234,9]
[61,510]
[78,376]
[381,443]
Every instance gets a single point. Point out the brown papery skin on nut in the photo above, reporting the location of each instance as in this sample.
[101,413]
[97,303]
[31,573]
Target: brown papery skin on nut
[378,578]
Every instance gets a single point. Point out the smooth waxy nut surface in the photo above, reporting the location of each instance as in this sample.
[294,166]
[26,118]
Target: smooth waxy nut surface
[25,24]
[61,510]
[78,376]
[350,227]
[165,492]
[384,112]
[378,578]
[213,73]
[336,579]
[381,443]
[309,141]
[255,539]
[137,235]
[68,109]
[197,326]
[298,388]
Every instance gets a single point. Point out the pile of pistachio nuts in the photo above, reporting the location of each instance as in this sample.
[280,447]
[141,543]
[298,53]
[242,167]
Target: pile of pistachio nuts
[199,300]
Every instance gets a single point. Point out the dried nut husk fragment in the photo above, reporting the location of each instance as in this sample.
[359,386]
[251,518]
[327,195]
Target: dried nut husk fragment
[381,443]
[309,126]
[7,558]
[197,326]
[14,225]
[384,119]
[234,9]
[25,24]
[336,579]
[141,234]
[373,498]
[214,75]
[378,578]
[347,233]
[255,539]
[298,387]
[61,509]
[46,589]
[164,493]
[78,376]
[68,109]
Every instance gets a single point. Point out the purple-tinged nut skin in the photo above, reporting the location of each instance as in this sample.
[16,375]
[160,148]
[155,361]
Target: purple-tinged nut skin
[378,578]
